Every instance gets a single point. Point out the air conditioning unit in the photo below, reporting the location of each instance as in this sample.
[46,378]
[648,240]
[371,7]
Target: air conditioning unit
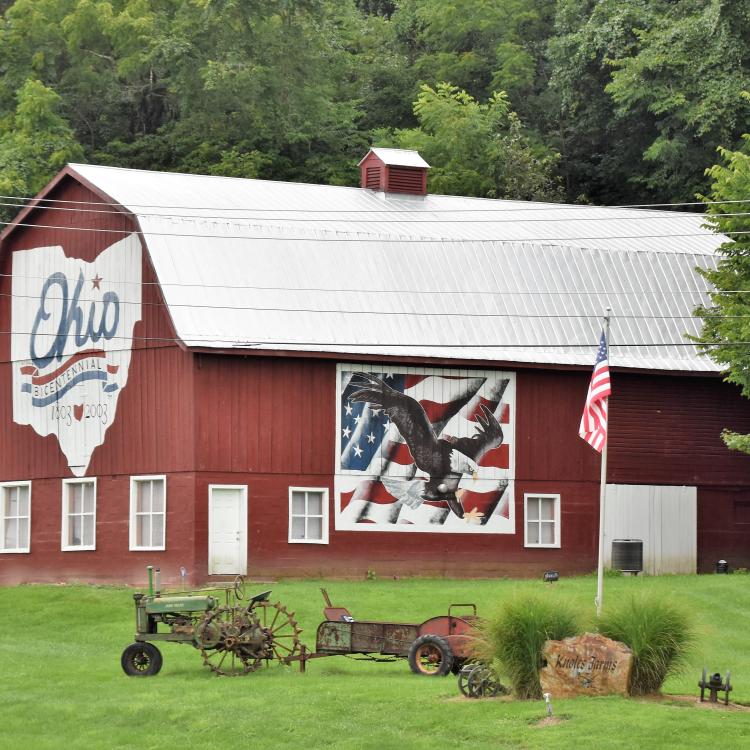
[627,555]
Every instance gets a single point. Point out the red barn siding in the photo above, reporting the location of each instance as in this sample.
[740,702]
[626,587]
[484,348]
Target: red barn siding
[265,416]
[112,560]
[269,423]
[152,404]
[723,527]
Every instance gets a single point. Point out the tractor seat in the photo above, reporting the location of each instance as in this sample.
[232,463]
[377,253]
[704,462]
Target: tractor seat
[262,597]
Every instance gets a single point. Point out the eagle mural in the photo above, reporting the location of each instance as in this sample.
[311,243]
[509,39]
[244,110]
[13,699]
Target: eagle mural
[425,450]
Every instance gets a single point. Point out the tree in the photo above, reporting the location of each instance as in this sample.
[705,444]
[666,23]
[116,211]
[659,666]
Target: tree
[477,149]
[726,323]
[35,144]
[647,92]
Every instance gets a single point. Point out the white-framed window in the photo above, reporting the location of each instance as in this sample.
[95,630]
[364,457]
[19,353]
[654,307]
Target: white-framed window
[78,515]
[308,515]
[148,513]
[15,517]
[541,518]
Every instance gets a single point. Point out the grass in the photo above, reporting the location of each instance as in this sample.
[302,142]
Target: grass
[62,685]
[658,632]
[516,633]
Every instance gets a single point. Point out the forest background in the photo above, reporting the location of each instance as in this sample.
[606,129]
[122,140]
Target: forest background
[602,101]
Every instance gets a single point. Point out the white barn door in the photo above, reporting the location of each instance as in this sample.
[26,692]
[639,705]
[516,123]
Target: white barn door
[665,518]
[227,529]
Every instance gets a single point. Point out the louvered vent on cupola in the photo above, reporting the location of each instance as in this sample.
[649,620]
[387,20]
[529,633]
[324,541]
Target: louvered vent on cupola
[394,170]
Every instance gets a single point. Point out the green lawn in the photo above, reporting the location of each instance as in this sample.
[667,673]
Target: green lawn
[62,685]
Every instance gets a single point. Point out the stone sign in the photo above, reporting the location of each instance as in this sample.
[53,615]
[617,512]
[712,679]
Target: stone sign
[587,664]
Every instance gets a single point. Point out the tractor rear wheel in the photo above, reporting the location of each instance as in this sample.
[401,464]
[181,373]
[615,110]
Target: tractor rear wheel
[430,655]
[141,660]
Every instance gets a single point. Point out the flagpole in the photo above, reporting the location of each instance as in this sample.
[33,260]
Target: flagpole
[602,495]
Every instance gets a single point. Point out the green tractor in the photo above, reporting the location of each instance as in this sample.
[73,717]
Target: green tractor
[233,637]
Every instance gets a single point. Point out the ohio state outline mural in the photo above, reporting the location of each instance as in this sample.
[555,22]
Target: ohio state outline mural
[71,339]
[422,449]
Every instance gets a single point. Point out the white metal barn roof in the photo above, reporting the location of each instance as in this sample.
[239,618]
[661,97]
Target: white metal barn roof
[291,266]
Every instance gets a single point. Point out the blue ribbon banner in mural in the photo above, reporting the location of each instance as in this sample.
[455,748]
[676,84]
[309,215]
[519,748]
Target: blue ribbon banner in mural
[425,450]
[72,336]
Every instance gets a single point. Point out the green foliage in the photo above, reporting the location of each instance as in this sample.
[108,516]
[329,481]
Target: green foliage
[647,90]
[658,632]
[36,143]
[633,96]
[514,636]
[477,149]
[726,322]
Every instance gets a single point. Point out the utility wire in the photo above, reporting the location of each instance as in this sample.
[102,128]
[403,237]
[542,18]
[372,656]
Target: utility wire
[501,201]
[382,240]
[431,292]
[433,220]
[409,313]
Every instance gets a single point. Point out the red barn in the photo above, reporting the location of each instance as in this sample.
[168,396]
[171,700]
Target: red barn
[233,376]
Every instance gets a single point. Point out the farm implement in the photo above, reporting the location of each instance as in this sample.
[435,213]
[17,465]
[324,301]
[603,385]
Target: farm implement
[232,636]
[236,635]
[434,647]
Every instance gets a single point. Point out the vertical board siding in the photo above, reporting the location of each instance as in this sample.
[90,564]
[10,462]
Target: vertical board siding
[664,518]
[723,532]
[112,559]
[153,427]
[263,415]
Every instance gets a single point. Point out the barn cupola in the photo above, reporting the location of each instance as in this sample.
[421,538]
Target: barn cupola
[394,170]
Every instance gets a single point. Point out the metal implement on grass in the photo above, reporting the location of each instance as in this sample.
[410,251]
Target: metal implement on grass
[434,647]
[234,637]
[480,681]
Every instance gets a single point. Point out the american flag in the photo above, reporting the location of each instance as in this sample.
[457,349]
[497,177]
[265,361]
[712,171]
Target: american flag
[593,427]
[378,482]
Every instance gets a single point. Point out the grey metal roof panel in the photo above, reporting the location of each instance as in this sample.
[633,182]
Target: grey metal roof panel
[261,265]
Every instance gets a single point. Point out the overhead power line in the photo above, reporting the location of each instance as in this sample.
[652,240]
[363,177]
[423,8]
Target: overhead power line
[380,240]
[190,339]
[397,313]
[501,201]
[431,292]
[433,220]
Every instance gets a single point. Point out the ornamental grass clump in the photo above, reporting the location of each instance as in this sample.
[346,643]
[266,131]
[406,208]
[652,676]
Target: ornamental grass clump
[658,633]
[514,636]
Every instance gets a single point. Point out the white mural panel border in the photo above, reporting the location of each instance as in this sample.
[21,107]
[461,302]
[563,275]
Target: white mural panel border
[72,328]
[424,450]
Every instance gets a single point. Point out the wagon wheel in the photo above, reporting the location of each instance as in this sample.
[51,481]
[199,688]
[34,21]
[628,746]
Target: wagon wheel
[280,628]
[430,655]
[463,678]
[482,682]
[231,641]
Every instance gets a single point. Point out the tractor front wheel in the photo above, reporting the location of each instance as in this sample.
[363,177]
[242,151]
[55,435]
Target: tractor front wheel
[141,660]
[430,655]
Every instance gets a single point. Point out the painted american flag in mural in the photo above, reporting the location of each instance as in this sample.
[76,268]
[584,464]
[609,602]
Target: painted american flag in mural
[425,450]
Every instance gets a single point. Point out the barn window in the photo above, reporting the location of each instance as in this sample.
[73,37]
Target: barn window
[541,520]
[15,516]
[148,513]
[308,515]
[78,515]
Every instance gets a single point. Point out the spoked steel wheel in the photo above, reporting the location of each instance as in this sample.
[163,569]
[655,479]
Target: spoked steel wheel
[231,641]
[280,628]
